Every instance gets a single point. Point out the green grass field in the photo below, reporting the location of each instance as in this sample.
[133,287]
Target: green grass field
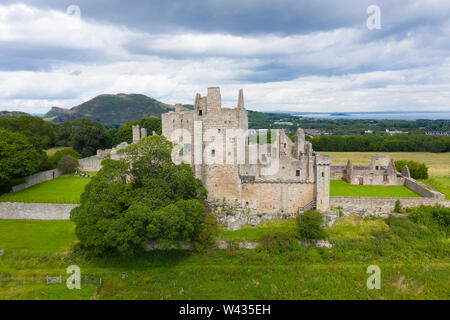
[65,189]
[340,188]
[438,163]
[52,151]
[414,262]
[439,184]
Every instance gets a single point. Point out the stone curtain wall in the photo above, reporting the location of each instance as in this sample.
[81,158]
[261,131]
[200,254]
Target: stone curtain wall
[90,164]
[422,189]
[36,179]
[377,206]
[35,211]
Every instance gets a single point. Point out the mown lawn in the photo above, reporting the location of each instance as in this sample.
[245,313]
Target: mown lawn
[438,163]
[340,188]
[65,189]
[440,184]
[37,236]
[414,264]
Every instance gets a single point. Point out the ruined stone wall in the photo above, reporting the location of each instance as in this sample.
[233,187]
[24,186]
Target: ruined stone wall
[338,172]
[274,198]
[262,201]
[91,163]
[422,189]
[35,211]
[36,179]
[376,206]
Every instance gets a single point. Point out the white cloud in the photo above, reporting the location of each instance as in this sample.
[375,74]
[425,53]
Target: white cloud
[342,70]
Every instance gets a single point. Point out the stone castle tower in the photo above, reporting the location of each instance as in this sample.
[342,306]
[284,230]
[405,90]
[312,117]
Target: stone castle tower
[272,179]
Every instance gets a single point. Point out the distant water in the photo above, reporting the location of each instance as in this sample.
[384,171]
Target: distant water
[378,115]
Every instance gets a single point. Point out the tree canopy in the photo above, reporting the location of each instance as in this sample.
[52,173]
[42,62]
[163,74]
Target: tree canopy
[18,157]
[145,197]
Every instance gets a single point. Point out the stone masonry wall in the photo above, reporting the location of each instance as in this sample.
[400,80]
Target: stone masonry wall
[379,206]
[36,179]
[35,211]
[91,163]
[422,189]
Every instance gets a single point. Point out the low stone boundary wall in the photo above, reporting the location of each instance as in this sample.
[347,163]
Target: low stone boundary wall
[35,211]
[422,189]
[379,206]
[36,179]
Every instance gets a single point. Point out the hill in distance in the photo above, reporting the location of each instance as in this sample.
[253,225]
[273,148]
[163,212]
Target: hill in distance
[111,109]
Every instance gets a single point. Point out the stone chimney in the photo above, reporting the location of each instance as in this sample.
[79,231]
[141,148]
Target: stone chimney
[241,104]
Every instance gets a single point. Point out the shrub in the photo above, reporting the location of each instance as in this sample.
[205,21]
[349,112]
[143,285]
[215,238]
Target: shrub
[416,169]
[54,159]
[207,234]
[67,164]
[310,224]
[398,206]
[434,217]
[277,242]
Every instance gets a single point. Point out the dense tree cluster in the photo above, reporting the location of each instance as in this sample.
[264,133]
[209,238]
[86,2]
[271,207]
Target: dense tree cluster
[416,169]
[147,197]
[124,133]
[382,143]
[18,157]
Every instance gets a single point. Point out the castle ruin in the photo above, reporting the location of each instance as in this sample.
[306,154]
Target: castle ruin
[249,180]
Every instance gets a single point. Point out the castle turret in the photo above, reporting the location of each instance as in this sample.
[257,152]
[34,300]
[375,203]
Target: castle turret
[241,104]
[323,163]
[214,99]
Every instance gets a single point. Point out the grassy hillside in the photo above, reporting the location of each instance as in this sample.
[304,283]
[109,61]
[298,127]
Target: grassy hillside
[111,110]
[414,264]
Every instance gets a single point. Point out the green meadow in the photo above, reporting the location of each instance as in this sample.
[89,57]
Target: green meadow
[340,188]
[65,189]
[414,262]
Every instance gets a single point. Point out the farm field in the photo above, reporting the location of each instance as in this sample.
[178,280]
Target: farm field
[64,189]
[340,188]
[438,163]
[414,262]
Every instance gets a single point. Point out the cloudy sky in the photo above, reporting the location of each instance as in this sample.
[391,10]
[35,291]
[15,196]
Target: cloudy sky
[293,55]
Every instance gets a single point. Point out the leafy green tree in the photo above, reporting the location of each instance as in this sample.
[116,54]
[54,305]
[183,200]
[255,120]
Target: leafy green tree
[147,197]
[83,135]
[18,157]
[416,169]
[54,159]
[124,133]
[40,133]
[310,225]
[151,124]
[68,164]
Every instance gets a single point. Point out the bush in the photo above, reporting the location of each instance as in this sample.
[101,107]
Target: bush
[310,224]
[277,242]
[434,217]
[67,164]
[398,206]
[54,159]
[416,169]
